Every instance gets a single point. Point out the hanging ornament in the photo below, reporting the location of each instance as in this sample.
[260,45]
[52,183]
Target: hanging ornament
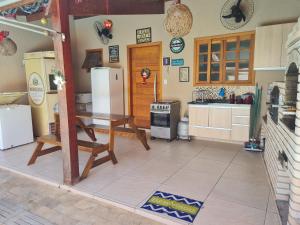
[44,21]
[59,79]
[145,73]
[179,20]
[108,24]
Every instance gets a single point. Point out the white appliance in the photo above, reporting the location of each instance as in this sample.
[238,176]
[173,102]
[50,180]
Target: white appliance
[107,91]
[15,126]
[84,104]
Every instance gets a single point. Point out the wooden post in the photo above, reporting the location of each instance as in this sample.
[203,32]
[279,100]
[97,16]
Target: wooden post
[60,22]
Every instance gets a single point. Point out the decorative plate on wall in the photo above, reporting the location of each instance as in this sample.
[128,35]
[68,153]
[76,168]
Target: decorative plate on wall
[177,45]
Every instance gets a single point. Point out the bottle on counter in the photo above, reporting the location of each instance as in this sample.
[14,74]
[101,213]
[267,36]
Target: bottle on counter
[232,98]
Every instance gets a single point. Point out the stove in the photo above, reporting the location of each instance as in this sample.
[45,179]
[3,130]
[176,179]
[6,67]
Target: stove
[165,116]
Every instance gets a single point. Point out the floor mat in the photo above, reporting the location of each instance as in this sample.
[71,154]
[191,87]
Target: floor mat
[173,205]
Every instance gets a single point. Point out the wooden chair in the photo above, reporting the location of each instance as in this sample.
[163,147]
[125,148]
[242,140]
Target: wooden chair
[91,147]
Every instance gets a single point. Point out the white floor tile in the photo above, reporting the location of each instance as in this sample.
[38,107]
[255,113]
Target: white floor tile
[251,194]
[220,212]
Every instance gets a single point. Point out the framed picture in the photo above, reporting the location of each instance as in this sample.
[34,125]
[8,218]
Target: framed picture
[113,54]
[184,74]
[143,35]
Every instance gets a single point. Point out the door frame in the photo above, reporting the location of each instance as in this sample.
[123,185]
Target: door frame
[129,80]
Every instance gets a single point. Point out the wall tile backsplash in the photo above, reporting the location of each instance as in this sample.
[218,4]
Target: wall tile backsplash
[212,92]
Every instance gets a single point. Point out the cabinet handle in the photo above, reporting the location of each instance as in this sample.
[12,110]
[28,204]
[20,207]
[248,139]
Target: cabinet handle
[117,76]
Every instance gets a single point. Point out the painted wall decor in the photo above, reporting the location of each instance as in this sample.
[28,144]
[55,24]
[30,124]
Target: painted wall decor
[143,35]
[145,73]
[7,46]
[236,14]
[179,20]
[104,30]
[166,61]
[177,45]
[177,62]
[114,54]
[184,74]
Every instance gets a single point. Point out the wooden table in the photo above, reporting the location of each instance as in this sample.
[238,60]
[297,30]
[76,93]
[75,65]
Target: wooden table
[114,122]
[92,147]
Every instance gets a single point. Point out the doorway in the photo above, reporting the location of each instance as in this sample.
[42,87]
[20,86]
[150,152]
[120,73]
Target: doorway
[141,92]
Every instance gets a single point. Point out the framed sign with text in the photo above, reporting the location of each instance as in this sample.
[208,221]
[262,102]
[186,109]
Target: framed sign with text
[114,54]
[143,35]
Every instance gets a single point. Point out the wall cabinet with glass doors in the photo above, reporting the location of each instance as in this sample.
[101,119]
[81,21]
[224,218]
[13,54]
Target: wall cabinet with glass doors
[224,60]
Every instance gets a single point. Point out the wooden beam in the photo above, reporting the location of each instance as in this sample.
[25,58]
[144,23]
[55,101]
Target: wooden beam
[113,7]
[16,5]
[60,22]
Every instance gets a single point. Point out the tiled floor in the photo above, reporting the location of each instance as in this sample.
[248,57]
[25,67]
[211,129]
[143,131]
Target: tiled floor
[232,182]
[27,202]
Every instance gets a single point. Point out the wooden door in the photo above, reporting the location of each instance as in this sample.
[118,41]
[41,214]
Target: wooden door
[141,94]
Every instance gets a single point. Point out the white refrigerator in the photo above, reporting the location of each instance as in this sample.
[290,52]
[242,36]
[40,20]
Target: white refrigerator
[107,91]
[15,126]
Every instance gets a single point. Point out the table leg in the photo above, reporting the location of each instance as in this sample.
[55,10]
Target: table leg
[36,153]
[112,143]
[90,132]
[141,134]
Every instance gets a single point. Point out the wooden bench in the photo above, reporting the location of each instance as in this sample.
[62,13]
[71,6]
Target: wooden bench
[91,147]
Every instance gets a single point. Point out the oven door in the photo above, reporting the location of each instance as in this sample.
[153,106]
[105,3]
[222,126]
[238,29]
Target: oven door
[160,119]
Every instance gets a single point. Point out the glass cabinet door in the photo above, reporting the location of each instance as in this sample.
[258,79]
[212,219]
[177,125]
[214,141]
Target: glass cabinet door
[215,61]
[230,59]
[245,44]
[203,52]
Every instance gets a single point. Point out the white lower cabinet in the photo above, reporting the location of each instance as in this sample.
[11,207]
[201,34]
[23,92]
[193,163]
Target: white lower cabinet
[219,121]
[240,133]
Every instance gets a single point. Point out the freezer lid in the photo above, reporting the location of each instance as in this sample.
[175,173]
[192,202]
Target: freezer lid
[10,97]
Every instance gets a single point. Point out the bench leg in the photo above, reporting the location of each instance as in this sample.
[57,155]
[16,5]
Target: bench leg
[89,131]
[141,134]
[36,153]
[88,166]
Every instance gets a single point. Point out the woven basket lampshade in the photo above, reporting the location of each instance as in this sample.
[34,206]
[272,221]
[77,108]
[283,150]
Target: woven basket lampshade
[8,47]
[179,20]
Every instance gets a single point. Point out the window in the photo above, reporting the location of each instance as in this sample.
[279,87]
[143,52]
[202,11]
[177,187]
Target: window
[93,58]
[224,59]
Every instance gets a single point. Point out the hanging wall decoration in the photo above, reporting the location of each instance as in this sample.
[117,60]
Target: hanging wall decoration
[59,79]
[28,9]
[179,20]
[113,54]
[145,73]
[7,46]
[166,61]
[177,62]
[143,35]
[177,45]
[184,74]
[104,30]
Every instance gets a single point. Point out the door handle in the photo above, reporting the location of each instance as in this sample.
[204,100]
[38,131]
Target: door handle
[117,76]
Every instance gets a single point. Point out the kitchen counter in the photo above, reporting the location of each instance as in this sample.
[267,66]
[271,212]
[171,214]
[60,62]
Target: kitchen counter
[221,121]
[228,105]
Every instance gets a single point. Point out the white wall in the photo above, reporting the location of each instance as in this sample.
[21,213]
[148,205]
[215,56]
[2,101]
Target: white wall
[206,23]
[12,72]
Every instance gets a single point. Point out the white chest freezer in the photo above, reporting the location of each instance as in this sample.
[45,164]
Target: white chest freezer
[15,126]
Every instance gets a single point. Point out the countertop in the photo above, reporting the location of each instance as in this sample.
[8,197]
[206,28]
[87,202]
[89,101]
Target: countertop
[227,105]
